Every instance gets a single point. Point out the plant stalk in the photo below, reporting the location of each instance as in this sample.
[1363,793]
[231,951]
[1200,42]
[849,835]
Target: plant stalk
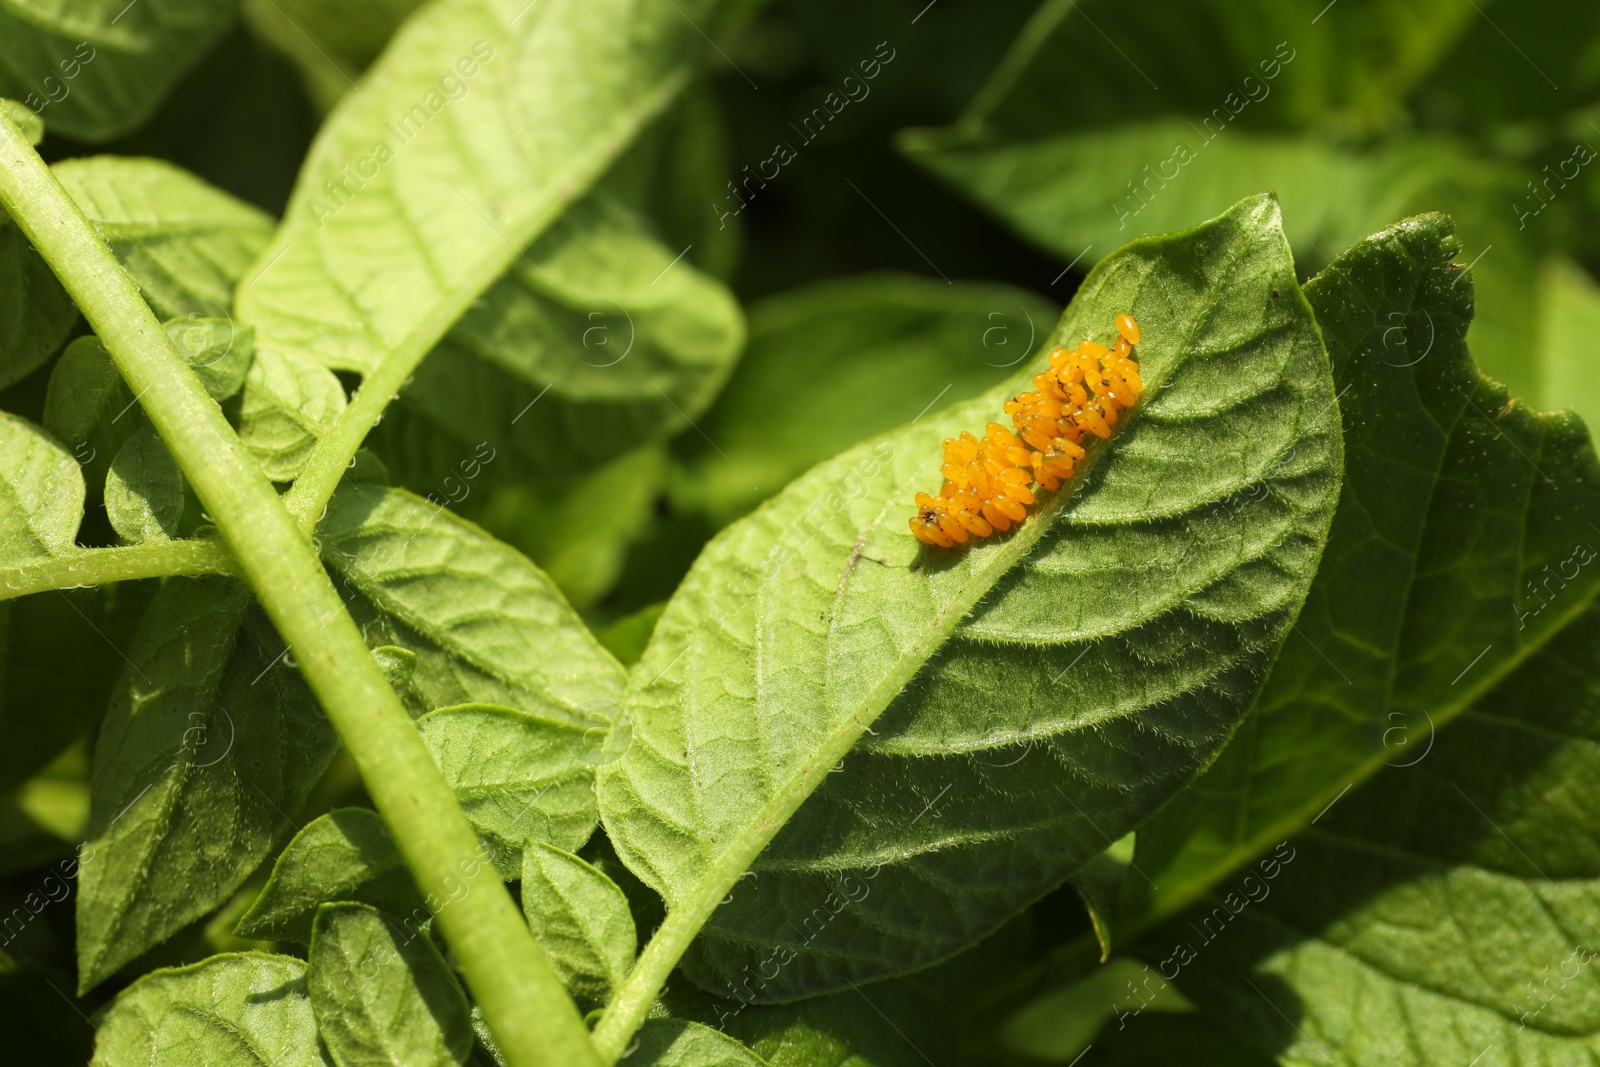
[509,974]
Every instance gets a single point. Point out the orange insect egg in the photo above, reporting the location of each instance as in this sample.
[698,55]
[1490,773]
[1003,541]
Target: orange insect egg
[989,482]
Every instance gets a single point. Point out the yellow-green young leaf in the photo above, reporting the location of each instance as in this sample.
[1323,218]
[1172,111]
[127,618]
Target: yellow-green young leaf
[1446,910]
[98,69]
[41,490]
[244,1009]
[518,777]
[598,339]
[383,995]
[210,746]
[346,854]
[288,402]
[1465,539]
[477,126]
[1040,693]
[828,366]
[144,490]
[219,351]
[582,920]
[183,242]
[486,625]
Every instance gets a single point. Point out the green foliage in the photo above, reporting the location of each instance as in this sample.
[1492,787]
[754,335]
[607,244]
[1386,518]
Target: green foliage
[598,355]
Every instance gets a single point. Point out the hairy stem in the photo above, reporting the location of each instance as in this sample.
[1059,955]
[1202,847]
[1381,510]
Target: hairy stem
[99,566]
[510,975]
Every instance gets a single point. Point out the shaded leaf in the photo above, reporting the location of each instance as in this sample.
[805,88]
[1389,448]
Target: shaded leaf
[381,996]
[96,70]
[582,920]
[232,1010]
[346,854]
[209,747]
[37,313]
[144,490]
[802,624]
[42,491]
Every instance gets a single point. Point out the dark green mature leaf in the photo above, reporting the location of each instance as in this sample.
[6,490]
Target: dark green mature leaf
[1447,910]
[1460,547]
[480,123]
[382,996]
[582,920]
[346,854]
[184,243]
[246,1009]
[41,490]
[96,70]
[209,747]
[519,778]
[1123,632]
[144,490]
[597,340]
[830,365]
[485,625]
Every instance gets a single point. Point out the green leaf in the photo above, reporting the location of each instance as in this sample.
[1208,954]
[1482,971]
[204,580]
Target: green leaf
[232,1010]
[144,490]
[1456,553]
[97,70]
[346,854]
[331,41]
[675,1043]
[383,998]
[85,392]
[184,243]
[288,402]
[801,625]
[210,746]
[597,340]
[485,625]
[519,778]
[628,637]
[42,491]
[219,351]
[35,312]
[1446,908]
[582,920]
[479,124]
[827,366]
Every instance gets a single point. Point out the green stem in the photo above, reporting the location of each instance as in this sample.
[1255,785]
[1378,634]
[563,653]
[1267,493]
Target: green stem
[509,974]
[99,566]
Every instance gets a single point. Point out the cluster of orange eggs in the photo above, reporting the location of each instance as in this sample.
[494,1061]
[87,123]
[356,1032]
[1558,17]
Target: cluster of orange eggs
[989,481]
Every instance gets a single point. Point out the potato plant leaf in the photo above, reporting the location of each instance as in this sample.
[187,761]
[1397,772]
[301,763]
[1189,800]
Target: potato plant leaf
[1058,684]
[581,918]
[1440,912]
[144,490]
[519,778]
[219,351]
[210,746]
[486,625]
[37,313]
[675,1043]
[246,1009]
[346,854]
[288,401]
[477,126]
[1463,542]
[383,995]
[42,490]
[597,340]
[95,70]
